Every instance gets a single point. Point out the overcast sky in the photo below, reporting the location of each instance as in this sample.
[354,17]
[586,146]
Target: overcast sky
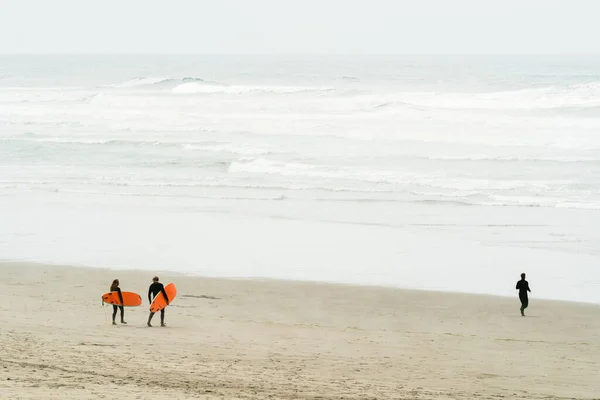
[308,26]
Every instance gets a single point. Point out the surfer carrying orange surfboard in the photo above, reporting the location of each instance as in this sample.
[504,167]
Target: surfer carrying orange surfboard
[115,288]
[155,288]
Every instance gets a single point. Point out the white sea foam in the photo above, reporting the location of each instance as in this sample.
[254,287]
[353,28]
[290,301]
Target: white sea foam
[571,96]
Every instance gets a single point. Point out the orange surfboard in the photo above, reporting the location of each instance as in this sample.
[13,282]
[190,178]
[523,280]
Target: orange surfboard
[130,299]
[159,301]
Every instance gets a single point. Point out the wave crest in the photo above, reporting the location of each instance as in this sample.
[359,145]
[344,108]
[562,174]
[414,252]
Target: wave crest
[207,88]
[149,81]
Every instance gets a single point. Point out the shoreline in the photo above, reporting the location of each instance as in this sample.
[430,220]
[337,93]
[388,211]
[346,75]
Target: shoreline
[36,264]
[262,339]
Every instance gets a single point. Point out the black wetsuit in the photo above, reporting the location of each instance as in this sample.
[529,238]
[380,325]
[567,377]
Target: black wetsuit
[153,291]
[523,288]
[115,308]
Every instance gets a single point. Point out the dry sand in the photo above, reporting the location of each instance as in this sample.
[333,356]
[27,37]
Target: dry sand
[249,339]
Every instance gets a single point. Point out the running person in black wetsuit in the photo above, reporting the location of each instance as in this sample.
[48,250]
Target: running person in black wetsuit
[115,288]
[155,288]
[523,288]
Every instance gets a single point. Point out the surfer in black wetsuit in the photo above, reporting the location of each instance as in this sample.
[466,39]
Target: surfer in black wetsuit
[115,288]
[155,288]
[523,288]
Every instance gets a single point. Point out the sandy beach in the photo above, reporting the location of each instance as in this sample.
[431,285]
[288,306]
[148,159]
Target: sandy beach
[256,339]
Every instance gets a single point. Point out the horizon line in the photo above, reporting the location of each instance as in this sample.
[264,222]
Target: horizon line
[465,54]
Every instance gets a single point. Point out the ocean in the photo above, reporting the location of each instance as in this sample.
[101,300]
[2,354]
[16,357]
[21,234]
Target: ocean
[427,172]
